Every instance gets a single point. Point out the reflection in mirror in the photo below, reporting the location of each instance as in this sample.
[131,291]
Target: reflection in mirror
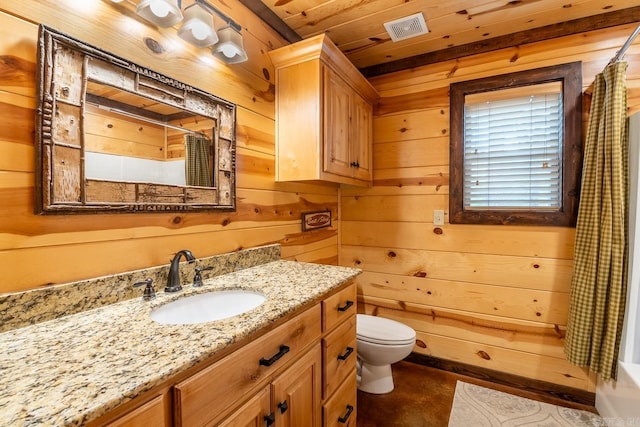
[131,138]
[115,136]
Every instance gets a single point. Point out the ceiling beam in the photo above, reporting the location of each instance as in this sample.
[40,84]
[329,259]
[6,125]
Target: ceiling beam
[591,23]
[271,19]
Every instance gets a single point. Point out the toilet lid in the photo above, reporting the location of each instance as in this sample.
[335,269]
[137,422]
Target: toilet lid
[378,330]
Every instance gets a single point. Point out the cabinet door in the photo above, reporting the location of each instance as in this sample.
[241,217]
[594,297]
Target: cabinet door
[361,137]
[252,413]
[296,392]
[337,117]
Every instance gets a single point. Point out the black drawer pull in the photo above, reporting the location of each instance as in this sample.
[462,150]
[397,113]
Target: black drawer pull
[270,419]
[283,406]
[268,362]
[346,354]
[343,420]
[346,306]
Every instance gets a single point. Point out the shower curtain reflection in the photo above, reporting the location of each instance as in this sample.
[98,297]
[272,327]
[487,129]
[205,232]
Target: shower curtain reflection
[198,161]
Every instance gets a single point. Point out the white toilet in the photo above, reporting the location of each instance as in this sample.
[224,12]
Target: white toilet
[381,342]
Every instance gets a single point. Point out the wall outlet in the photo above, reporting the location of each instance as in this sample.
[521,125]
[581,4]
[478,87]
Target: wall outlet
[438,217]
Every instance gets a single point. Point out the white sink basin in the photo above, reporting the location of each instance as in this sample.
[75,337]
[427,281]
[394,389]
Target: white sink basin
[206,307]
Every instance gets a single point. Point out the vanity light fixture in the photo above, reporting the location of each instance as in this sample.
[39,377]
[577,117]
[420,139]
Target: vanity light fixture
[230,48]
[197,27]
[163,13]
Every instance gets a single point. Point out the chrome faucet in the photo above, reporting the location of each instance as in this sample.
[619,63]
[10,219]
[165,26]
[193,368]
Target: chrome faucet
[173,280]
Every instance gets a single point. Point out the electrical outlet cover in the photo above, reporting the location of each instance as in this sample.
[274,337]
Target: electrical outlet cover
[438,217]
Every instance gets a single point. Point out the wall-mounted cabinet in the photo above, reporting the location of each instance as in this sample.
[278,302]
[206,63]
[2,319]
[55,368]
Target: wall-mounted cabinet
[323,115]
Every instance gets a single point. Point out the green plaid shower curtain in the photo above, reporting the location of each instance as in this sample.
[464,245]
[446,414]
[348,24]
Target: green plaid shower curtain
[197,169]
[598,288]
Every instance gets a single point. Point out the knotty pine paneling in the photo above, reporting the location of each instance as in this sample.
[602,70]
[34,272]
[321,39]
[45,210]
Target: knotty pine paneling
[262,217]
[507,301]
[412,153]
[490,296]
[521,335]
[546,274]
[40,250]
[594,49]
[545,242]
[428,123]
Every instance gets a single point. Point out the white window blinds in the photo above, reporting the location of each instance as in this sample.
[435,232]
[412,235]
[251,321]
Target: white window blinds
[513,152]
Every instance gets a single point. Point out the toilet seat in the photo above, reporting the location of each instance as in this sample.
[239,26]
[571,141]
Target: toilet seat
[378,330]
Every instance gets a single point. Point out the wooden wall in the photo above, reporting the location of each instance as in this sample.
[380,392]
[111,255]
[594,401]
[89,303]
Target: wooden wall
[108,133]
[40,250]
[489,296]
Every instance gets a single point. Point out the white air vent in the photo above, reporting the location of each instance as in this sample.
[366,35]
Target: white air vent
[407,27]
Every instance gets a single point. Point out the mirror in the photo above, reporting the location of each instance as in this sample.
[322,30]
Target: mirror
[113,136]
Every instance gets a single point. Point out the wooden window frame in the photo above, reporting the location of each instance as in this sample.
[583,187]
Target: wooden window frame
[570,75]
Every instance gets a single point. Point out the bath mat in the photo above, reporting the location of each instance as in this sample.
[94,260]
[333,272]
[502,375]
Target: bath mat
[482,407]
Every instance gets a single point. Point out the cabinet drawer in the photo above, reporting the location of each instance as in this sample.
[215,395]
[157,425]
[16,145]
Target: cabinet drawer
[340,410]
[339,355]
[338,307]
[149,414]
[211,393]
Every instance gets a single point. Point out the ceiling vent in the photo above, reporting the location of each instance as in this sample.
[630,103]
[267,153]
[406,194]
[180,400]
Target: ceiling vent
[407,27]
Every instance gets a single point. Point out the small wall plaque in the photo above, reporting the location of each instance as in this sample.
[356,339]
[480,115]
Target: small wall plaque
[315,220]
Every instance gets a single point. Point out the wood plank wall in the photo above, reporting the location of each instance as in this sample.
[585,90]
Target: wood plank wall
[490,296]
[40,250]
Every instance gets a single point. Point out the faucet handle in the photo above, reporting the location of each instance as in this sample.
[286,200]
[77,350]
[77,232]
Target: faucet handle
[197,278]
[149,292]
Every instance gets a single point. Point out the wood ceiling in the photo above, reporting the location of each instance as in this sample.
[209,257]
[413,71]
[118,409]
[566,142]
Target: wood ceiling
[456,27]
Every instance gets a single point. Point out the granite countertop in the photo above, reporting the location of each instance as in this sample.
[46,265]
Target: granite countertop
[73,369]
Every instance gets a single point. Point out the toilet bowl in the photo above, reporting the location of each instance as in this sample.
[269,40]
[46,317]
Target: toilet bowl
[381,342]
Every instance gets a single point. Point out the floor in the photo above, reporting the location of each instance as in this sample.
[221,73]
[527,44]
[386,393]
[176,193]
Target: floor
[423,396]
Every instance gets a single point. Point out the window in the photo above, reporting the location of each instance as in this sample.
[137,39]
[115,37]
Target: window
[516,148]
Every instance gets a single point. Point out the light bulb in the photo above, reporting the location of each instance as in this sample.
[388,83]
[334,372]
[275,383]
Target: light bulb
[200,30]
[159,8]
[229,51]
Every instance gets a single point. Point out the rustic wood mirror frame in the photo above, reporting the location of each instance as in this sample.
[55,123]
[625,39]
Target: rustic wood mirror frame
[65,67]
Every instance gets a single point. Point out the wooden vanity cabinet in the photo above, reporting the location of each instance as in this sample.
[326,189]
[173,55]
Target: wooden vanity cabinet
[311,383]
[324,115]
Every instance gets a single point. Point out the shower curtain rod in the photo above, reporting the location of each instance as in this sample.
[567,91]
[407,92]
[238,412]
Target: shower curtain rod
[147,119]
[618,56]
